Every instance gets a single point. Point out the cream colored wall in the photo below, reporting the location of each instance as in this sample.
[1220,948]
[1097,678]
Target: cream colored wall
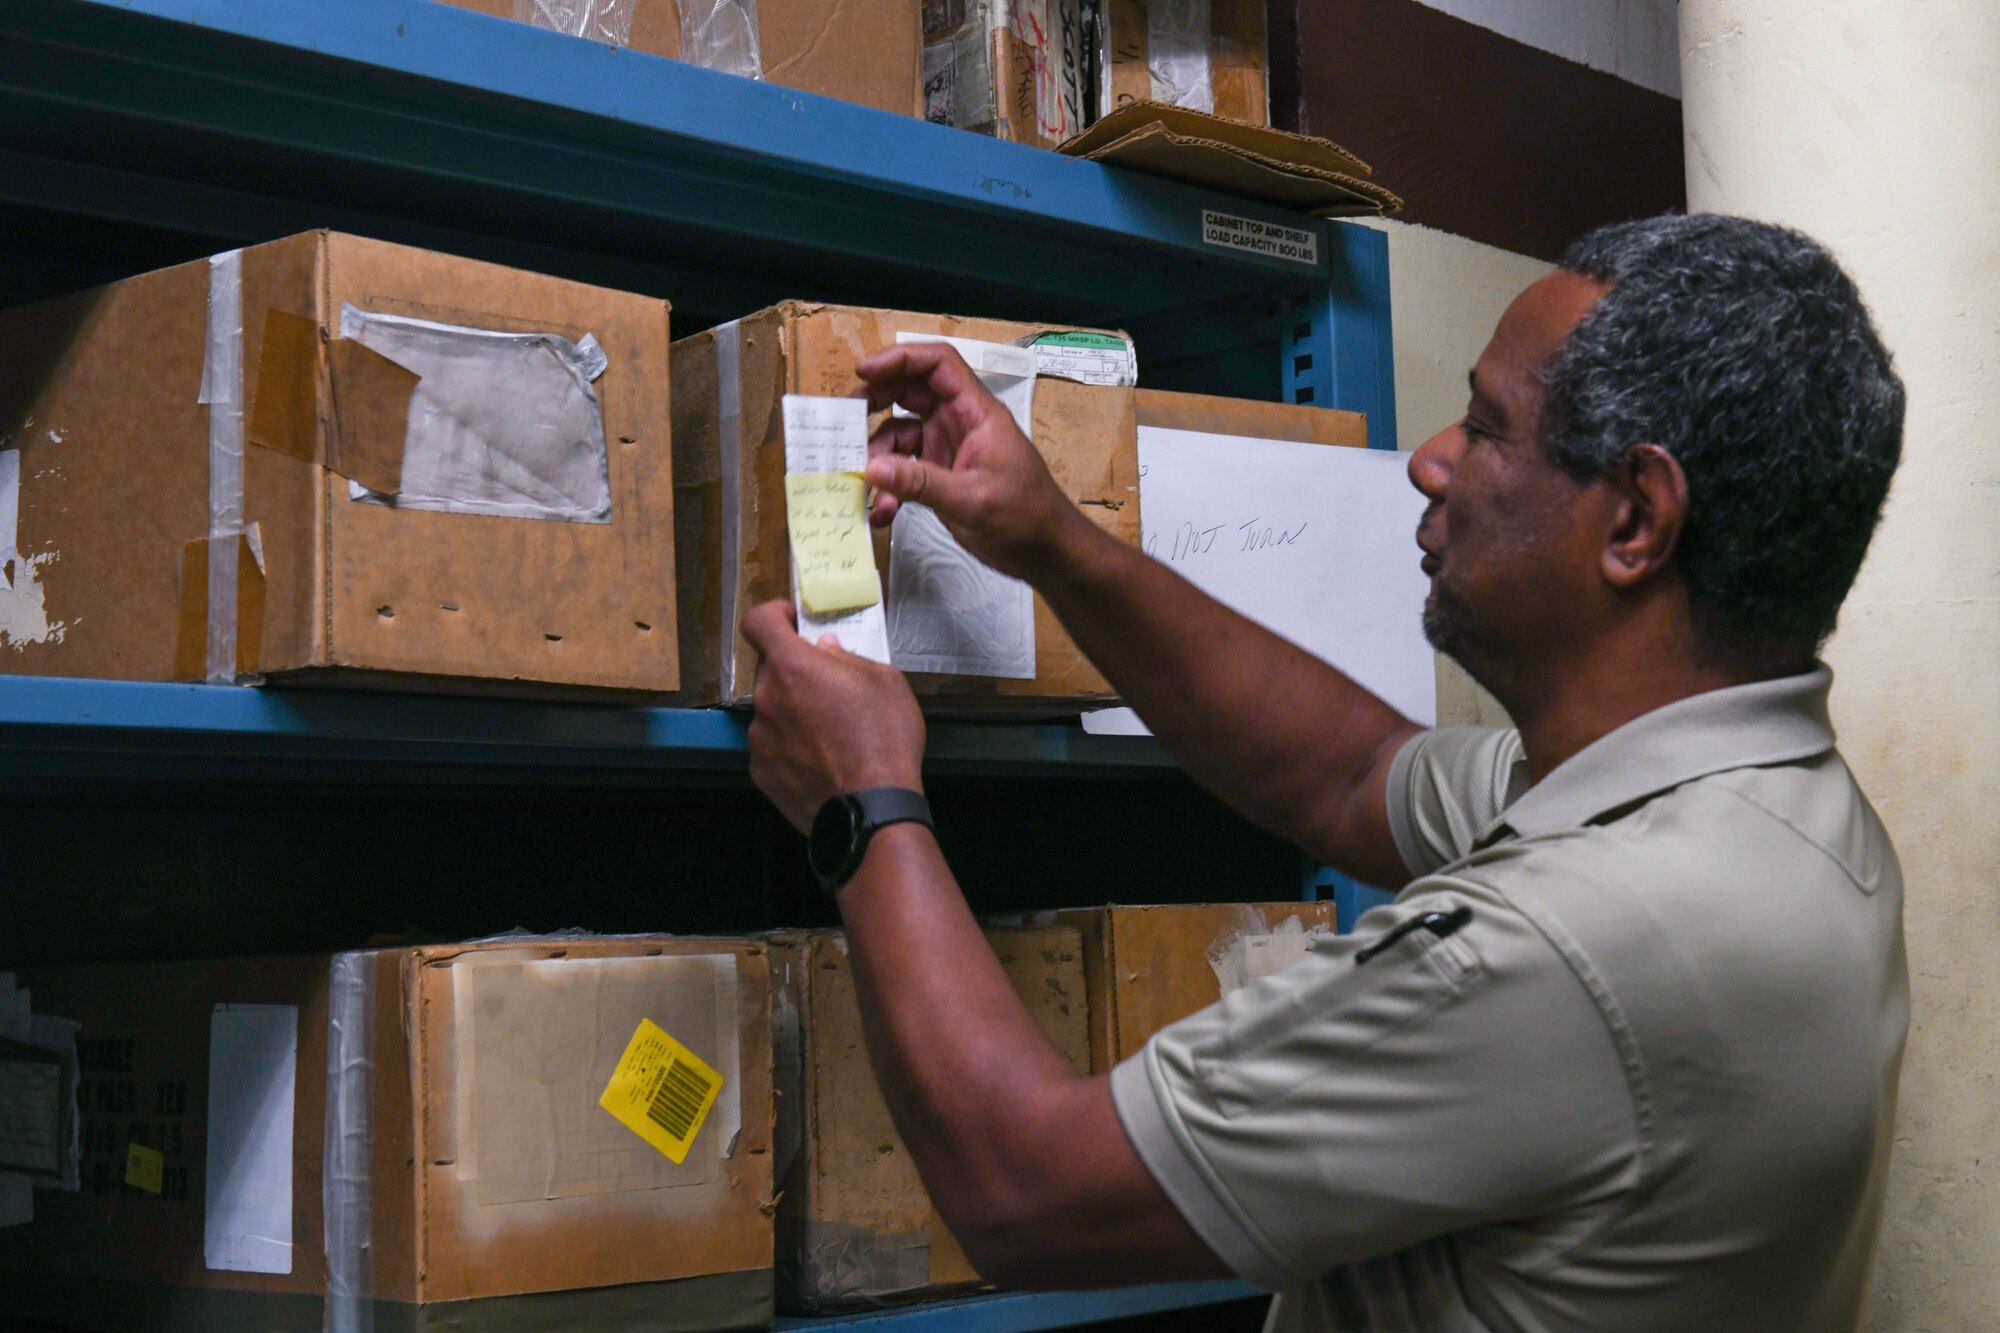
[1875,127]
[1445,295]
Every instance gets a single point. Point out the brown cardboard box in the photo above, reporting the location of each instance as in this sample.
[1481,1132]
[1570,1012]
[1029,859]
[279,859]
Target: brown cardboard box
[855,1227]
[1014,69]
[118,447]
[1147,967]
[1255,420]
[733,556]
[1234,77]
[462,1142]
[868,54]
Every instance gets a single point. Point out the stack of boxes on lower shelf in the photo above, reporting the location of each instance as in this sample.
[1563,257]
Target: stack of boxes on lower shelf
[619,1133]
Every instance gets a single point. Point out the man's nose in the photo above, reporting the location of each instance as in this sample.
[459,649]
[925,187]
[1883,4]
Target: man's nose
[1431,464]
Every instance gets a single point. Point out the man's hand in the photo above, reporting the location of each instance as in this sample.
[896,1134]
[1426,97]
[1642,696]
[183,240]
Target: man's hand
[827,722]
[963,456]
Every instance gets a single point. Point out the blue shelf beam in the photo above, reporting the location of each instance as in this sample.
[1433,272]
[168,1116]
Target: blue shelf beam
[1024,1312]
[120,729]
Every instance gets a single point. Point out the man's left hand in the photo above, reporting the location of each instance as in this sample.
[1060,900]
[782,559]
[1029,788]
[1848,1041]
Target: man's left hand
[827,722]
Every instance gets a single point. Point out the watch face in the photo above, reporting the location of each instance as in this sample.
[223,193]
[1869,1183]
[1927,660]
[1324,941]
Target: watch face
[832,840]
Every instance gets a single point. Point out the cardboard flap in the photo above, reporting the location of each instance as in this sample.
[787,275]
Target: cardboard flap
[1302,151]
[371,414]
[1315,176]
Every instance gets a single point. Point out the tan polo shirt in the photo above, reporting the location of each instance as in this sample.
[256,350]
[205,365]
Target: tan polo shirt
[1649,1085]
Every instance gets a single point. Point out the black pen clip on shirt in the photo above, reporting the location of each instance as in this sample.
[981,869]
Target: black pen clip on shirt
[1439,924]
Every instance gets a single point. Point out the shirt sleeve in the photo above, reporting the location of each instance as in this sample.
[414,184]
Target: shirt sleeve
[1341,1110]
[1446,786]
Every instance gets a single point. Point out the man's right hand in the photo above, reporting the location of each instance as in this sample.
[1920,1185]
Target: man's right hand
[963,456]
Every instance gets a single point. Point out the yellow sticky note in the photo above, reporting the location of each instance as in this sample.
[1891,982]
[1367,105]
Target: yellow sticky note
[145,1167]
[830,546]
[661,1091]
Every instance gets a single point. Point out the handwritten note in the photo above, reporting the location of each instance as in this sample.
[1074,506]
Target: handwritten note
[830,546]
[839,592]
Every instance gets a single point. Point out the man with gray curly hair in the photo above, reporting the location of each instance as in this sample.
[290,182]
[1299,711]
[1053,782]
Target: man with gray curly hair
[1623,1053]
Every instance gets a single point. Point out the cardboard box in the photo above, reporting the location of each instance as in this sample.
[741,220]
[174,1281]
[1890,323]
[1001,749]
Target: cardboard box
[855,1226]
[869,54]
[1014,69]
[1147,967]
[1150,54]
[446,1164]
[729,517]
[1258,421]
[125,458]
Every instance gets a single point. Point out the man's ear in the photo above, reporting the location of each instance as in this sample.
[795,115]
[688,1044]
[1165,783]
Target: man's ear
[1652,509]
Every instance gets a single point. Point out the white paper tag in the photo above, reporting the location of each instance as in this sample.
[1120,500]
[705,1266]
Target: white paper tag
[948,612]
[1259,238]
[831,435]
[253,1052]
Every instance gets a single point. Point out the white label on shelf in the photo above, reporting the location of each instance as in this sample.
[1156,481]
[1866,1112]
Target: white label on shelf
[1259,238]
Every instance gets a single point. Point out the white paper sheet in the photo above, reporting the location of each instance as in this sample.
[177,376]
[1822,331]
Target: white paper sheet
[831,435]
[949,612]
[1314,542]
[253,1052]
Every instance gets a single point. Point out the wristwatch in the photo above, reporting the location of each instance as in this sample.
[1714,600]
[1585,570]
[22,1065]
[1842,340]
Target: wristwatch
[841,829]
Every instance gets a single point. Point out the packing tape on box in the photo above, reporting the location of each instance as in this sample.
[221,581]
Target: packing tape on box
[729,413]
[349,1153]
[222,391]
[722,35]
[242,613]
[607,21]
[1177,52]
[845,1264]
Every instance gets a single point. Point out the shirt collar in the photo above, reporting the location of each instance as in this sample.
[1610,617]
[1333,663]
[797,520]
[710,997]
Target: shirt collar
[1745,726]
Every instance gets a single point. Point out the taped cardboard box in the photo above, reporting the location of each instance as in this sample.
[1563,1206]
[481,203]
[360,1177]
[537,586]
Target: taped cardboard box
[1209,55]
[855,1226]
[407,1139]
[1014,69]
[868,54]
[337,460]
[729,466]
[1147,967]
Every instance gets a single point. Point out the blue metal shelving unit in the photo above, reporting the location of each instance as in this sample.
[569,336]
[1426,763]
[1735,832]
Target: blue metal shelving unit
[136,133]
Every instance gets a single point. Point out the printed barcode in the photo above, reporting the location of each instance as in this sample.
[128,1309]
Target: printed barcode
[677,1101]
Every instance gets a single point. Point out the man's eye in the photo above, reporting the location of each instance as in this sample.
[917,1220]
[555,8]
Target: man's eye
[1473,432]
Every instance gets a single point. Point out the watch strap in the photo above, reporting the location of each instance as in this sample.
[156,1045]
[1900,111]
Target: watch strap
[881,806]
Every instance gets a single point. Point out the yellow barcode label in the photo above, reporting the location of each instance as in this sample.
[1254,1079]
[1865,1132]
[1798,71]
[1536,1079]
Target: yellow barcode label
[661,1091]
[145,1167]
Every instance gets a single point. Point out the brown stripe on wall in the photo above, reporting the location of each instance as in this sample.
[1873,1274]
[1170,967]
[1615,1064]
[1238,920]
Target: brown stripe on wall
[1482,135]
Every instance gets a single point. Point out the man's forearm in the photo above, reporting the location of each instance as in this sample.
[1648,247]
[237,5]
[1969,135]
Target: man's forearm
[1024,1158]
[1276,732]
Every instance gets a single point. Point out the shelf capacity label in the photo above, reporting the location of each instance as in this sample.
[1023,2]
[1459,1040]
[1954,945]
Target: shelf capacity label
[1259,238]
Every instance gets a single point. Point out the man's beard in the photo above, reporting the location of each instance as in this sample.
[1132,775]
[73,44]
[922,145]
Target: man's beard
[1449,628]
